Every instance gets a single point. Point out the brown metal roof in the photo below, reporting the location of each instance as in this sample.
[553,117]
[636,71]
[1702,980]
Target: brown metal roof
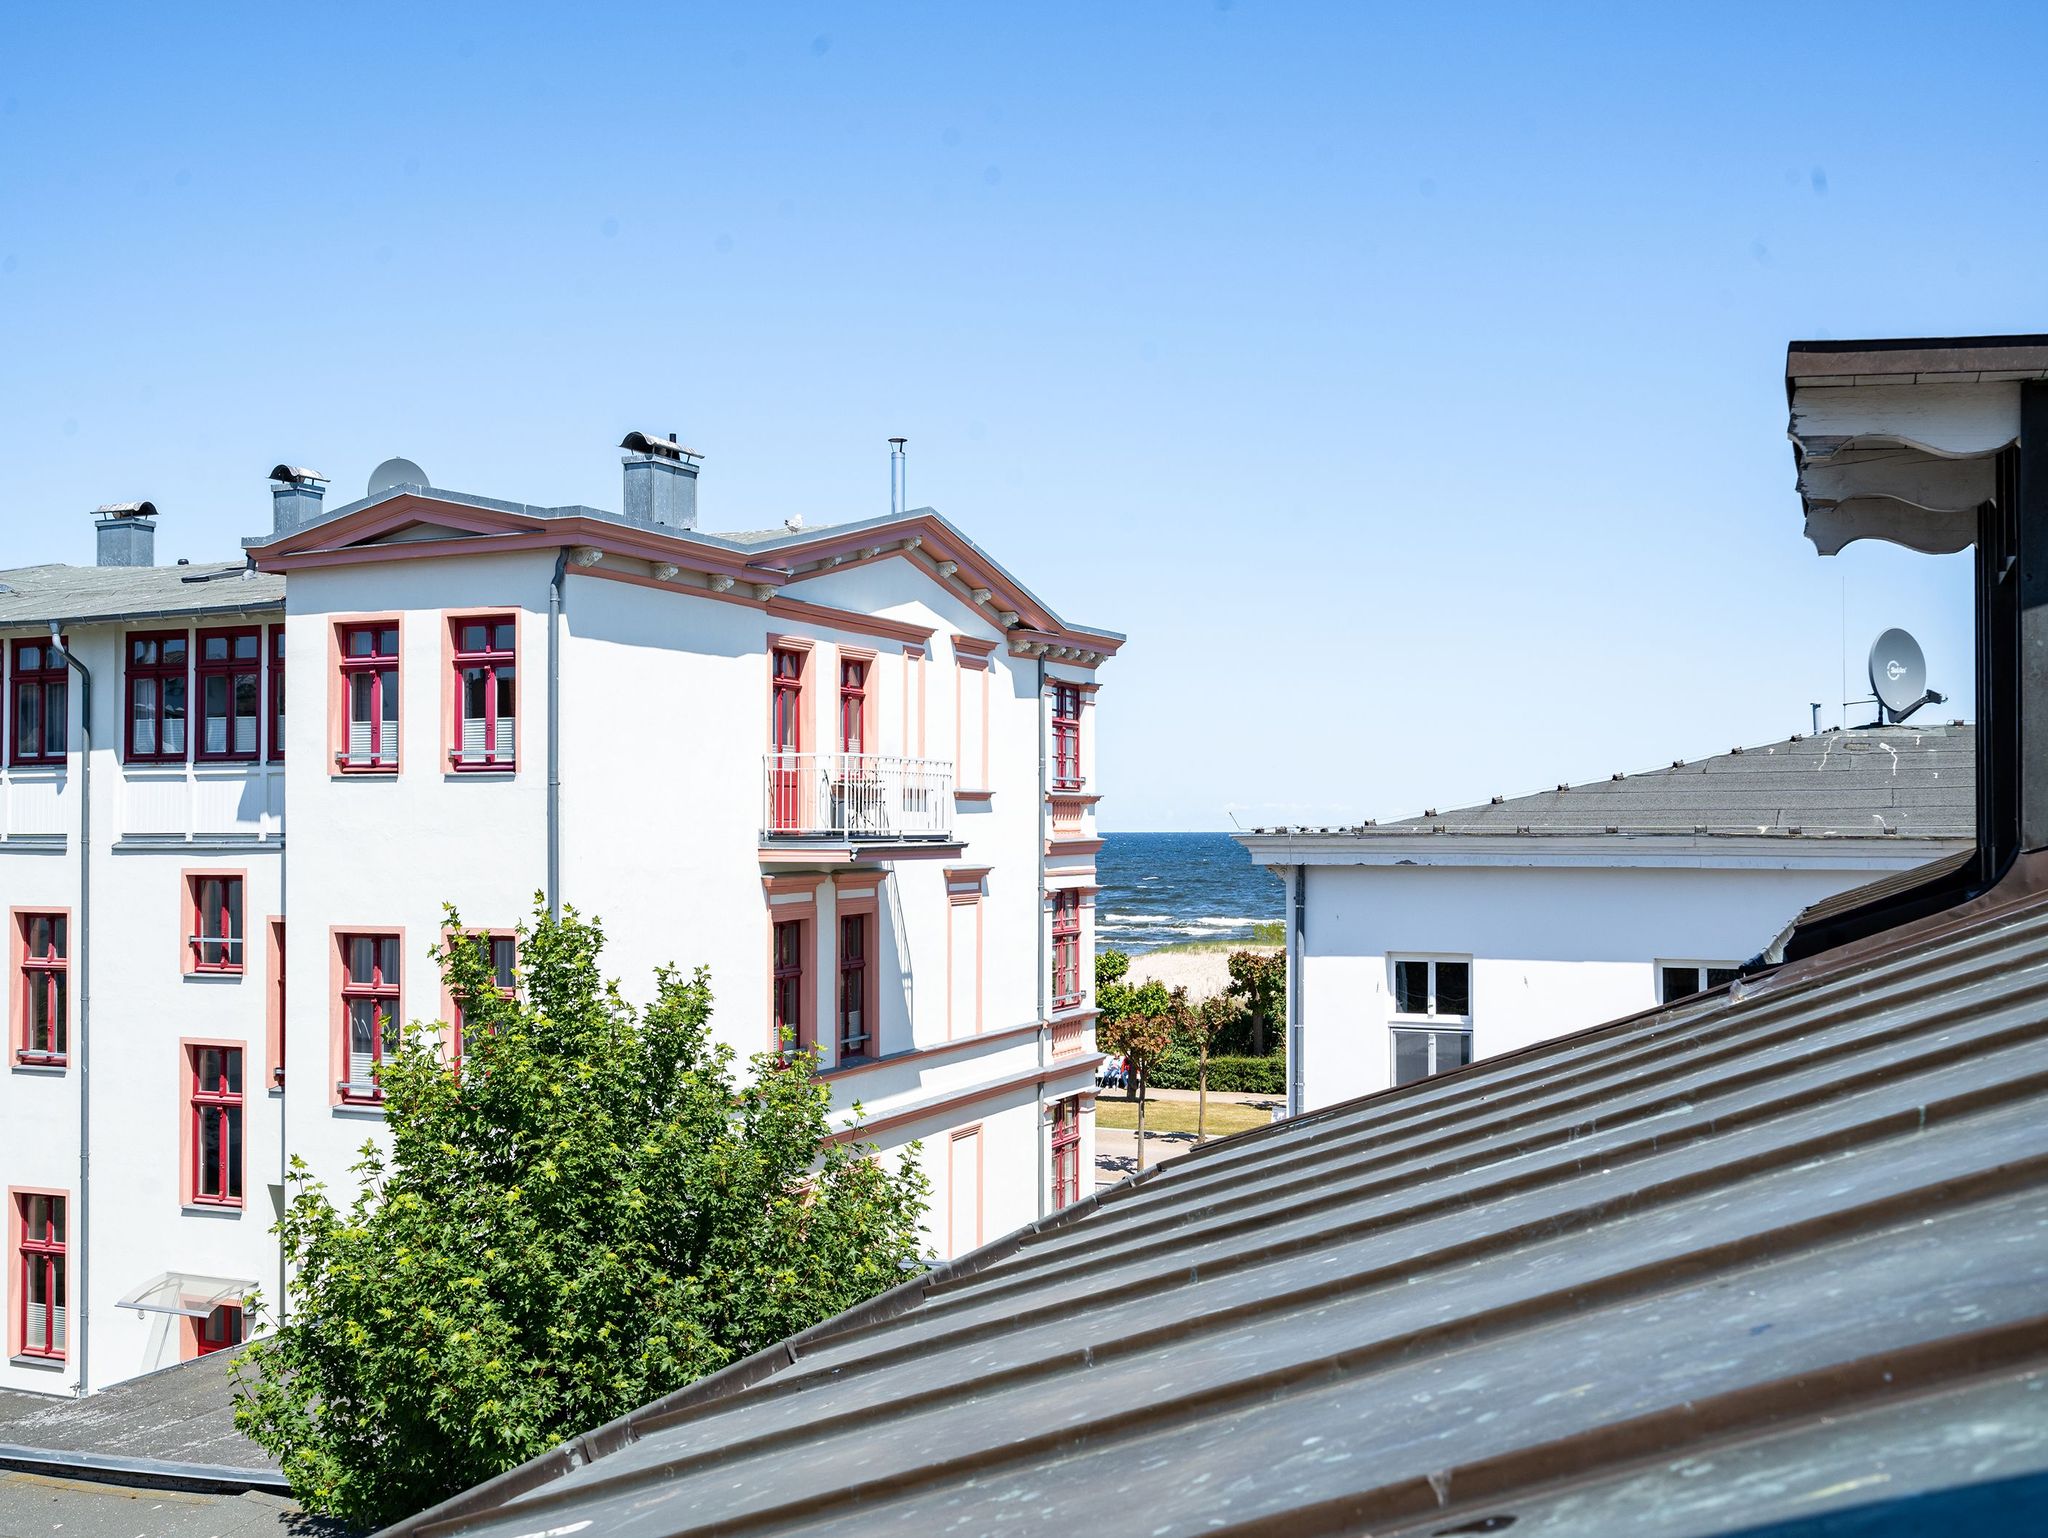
[1774,1252]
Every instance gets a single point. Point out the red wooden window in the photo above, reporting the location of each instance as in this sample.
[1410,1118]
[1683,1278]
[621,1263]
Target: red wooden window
[486,693]
[369,677]
[39,695]
[42,1275]
[1066,948]
[217,1126]
[45,987]
[853,706]
[276,694]
[791,1032]
[502,952]
[369,1010]
[216,935]
[279,1034]
[1066,1152]
[786,737]
[1066,737]
[157,684]
[230,692]
[854,1033]
[220,1330]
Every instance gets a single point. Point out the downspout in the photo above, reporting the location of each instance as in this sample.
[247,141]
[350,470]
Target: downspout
[555,734]
[1044,961]
[1296,941]
[81,1314]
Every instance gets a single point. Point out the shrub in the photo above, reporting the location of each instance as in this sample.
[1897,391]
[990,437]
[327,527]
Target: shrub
[1176,1069]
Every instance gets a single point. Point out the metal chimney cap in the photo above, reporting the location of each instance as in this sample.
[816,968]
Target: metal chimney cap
[126,510]
[298,475]
[655,444]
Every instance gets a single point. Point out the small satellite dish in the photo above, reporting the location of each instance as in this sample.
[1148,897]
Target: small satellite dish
[1898,673]
[396,472]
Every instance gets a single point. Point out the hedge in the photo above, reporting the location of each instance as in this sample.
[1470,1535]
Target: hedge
[1229,1075]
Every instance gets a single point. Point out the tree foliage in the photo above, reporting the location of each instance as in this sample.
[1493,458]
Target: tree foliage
[589,1214]
[1259,979]
[1201,1026]
[1142,1038]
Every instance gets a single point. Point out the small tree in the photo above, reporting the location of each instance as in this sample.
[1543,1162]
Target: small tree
[1201,1026]
[1259,978]
[589,1214]
[1117,1000]
[1141,1039]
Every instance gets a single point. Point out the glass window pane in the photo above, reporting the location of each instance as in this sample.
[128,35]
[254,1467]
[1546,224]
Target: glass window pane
[1453,1050]
[1680,981]
[233,1117]
[387,643]
[29,659]
[28,720]
[174,715]
[506,694]
[360,642]
[1454,988]
[174,649]
[1720,977]
[1411,988]
[1411,1056]
[214,648]
[245,645]
[502,638]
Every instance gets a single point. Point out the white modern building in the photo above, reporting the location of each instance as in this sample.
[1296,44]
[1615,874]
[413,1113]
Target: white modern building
[1416,946]
[850,768]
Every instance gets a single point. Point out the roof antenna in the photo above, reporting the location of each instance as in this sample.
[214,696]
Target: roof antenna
[899,476]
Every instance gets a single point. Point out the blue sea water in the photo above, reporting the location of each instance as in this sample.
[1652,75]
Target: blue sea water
[1158,888]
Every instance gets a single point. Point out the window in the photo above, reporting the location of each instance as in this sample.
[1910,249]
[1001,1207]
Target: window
[790,1034]
[156,697]
[1439,991]
[276,694]
[1679,979]
[853,706]
[369,1011]
[216,1126]
[486,693]
[41,714]
[230,692]
[220,1330]
[1066,736]
[1066,949]
[42,1275]
[853,986]
[276,1021]
[501,953]
[1066,1152]
[786,738]
[369,680]
[214,938]
[45,987]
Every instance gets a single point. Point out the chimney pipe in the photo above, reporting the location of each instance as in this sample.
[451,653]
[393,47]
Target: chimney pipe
[661,481]
[899,477]
[127,534]
[295,497]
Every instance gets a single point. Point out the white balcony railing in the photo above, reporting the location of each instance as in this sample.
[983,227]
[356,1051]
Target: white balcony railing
[856,796]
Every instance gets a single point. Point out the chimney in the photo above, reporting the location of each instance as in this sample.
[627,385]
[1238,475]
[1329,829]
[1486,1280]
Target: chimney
[295,496]
[127,533]
[661,481]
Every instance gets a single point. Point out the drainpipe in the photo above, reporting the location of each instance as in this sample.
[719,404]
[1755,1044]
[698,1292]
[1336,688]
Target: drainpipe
[82,1315]
[1044,961]
[555,734]
[1296,941]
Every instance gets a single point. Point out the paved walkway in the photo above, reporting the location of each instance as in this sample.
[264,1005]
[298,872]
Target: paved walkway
[1116,1153]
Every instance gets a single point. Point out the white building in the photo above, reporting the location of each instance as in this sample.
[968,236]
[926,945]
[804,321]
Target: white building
[1416,946]
[850,768]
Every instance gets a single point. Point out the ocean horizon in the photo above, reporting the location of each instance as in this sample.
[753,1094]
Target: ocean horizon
[1165,888]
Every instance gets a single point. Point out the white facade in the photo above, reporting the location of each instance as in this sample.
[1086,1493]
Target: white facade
[947,841]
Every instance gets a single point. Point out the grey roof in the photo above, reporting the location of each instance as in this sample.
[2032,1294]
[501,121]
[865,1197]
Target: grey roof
[36,595]
[183,1414]
[1773,1251]
[1913,781]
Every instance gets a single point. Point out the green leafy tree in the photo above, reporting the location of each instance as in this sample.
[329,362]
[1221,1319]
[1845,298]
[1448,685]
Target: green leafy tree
[1142,1038]
[1259,978]
[1117,999]
[1201,1026]
[589,1214]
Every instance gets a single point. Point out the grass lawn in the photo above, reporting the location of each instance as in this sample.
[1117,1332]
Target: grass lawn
[1119,1114]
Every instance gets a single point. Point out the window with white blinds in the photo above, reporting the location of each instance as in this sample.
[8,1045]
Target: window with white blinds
[41,1273]
[369,1011]
[486,692]
[369,676]
[230,692]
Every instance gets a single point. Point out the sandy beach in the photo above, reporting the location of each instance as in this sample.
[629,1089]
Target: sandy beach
[1203,973]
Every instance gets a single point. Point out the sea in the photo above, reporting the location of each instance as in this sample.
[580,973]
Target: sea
[1161,888]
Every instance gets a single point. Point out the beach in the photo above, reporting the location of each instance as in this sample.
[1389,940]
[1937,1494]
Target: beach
[1204,973]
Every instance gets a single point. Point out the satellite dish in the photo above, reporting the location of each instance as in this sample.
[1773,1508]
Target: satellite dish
[1898,673]
[396,472]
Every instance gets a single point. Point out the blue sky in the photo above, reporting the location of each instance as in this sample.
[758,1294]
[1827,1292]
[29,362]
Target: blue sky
[1404,380]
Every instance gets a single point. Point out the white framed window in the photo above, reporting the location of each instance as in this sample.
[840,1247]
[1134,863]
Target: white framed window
[1680,979]
[1432,1025]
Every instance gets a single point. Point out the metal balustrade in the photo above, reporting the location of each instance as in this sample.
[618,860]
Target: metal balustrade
[855,796]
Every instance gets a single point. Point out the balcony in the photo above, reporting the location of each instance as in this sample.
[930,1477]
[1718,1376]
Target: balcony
[855,799]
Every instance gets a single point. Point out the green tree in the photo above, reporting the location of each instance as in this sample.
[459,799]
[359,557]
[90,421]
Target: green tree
[1202,1026]
[1142,1038]
[590,1214]
[1259,978]
[1117,1000]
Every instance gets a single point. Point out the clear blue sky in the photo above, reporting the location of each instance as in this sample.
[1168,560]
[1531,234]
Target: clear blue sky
[1404,379]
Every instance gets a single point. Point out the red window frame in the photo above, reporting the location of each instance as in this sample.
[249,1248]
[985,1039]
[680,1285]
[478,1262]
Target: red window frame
[486,653]
[218,936]
[217,1126]
[42,1254]
[147,659]
[377,668]
[856,1029]
[1066,949]
[220,1330]
[786,735]
[853,705]
[1066,1152]
[49,681]
[792,1031]
[503,956]
[377,992]
[275,694]
[1066,736]
[229,662]
[45,975]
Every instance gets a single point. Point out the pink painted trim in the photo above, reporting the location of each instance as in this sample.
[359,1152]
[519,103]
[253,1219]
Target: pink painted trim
[1039,1077]
[967,872]
[188,1172]
[966,646]
[974,795]
[17,996]
[274,942]
[338,626]
[1072,797]
[1072,848]
[451,697]
[337,1013]
[806,883]
[11,1287]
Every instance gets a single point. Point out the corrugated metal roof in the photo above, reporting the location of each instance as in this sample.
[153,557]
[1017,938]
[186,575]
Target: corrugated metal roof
[1774,1251]
[1917,782]
[35,595]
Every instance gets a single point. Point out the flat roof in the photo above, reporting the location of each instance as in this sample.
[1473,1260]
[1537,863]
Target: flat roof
[37,595]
